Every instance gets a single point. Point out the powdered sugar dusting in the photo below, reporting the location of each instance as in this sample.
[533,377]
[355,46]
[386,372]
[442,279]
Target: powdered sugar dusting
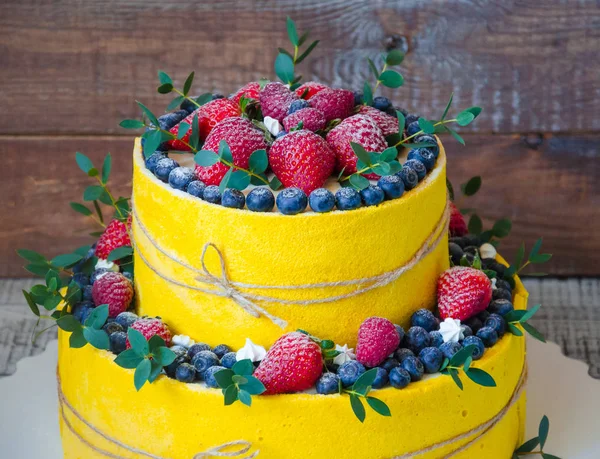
[312,119]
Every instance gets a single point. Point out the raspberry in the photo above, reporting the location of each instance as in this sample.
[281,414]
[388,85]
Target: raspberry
[312,120]
[275,100]
[149,326]
[457,227]
[334,103]
[377,339]
[115,290]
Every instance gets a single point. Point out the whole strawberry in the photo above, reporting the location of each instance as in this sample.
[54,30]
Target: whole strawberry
[275,100]
[114,236]
[149,326]
[243,139]
[387,123]
[311,118]
[457,226]
[309,89]
[463,292]
[358,129]
[113,289]
[208,116]
[302,159]
[294,363]
[334,103]
[249,91]
[377,339]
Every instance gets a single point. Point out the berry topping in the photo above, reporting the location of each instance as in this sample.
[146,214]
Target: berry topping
[476,341]
[181,177]
[275,100]
[450,348]
[164,167]
[424,318]
[233,198]
[311,118]
[114,236]
[388,124]
[291,201]
[196,348]
[185,373]
[309,89]
[432,359]
[418,167]
[377,339]
[372,195]
[334,103]
[392,186]
[417,338]
[463,292]
[150,326]
[229,360]
[347,199]
[399,378]
[115,290]
[488,336]
[328,384]
[321,200]
[249,91]
[350,371]
[212,194]
[260,200]
[382,103]
[196,188]
[153,159]
[118,342]
[409,176]
[381,378]
[423,155]
[221,350]
[414,367]
[209,376]
[297,105]
[126,319]
[203,360]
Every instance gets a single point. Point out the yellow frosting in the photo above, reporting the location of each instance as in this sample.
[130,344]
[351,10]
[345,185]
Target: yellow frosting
[275,249]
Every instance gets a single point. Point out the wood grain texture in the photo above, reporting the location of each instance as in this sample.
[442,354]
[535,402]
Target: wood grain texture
[536,188]
[76,67]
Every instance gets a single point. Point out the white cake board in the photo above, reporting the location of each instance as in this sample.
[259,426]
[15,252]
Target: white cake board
[558,387]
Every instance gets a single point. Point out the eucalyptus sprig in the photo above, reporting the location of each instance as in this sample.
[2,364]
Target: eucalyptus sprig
[462,360]
[534,257]
[528,448]
[384,76]
[238,383]
[90,332]
[384,163]
[285,63]
[518,320]
[360,391]
[148,357]
[167,86]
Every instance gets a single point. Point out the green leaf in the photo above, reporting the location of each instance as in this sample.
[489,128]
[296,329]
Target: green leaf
[153,140]
[188,83]
[461,356]
[253,386]
[382,168]
[308,50]
[68,323]
[243,367]
[391,79]
[426,126]
[224,378]
[155,342]
[183,129]
[225,151]
[92,192]
[359,182]
[472,186]
[155,371]
[245,397]
[164,78]
[84,163]
[530,313]
[240,180]
[119,253]
[502,228]
[97,338]
[142,373]
[204,98]
[206,158]
[77,340]
[475,225]
[194,139]
[357,407]
[540,258]
[474,110]
[549,456]
[303,38]
[284,68]
[464,118]
[379,406]
[447,107]
[275,183]
[543,431]
[536,248]
[528,446]
[165,88]
[148,114]
[361,153]
[367,94]
[394,57]
[132,124]
[481,377]
[97,317]
[456,135]
[292,32]
[373,68]
[454,373]
[450,189]
[128,359]
[533,331]
[395,166]
[389,154]
[68,259]
[31,256]
[520,256]
[225,180]
[138,342]
[80,208]
[230,393]
[514,330]
[164,356]
[258,161]
[34,308]
[365,381]
[176,102]
[401,122]
[283,51]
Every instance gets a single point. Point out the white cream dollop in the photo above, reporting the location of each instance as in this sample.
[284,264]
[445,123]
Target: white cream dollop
[451,331]
[345,354]
[251,351]
[272,125]
[487,250]
[183,340]
[107,265]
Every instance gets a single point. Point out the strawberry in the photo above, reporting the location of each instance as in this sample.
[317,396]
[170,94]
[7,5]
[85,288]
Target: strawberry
[243,139]
[149,326]
[312,119]
[377,339]
[275,100]
[249,91]
[457,227]
[115,235]
[302,159]
[334,103]
[463,292]
[294,363]
[359,129]
[387,123]
[311,88]
[208,116]
[113,289]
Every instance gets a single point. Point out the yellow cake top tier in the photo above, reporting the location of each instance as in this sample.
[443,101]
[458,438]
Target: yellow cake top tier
[273,256]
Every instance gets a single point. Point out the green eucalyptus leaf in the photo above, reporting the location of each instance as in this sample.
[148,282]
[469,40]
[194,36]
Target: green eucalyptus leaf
[34,308]
[142,373]
[540,258]
[32,256]
[245,397]
[275,183]
[188,83]
[244,367]
[183,129]
[358,182]
[528,446]
[379,406]
[148,113]
[97,317]
[120,253]
[230,394]
[450,189]
[367,94]
[454,373]
[357,407]
[284,68]
[549,456]
[253,386]
[84,163]
[225,180]
[138,342]
[97,338]
[512,328]
[456,135]
[292,32]
[534,250]
[225,152]
[308,50]
[447,107]
[361,153]
[258,161]
[481,377]
[164,356]
[365,381]
[401,122]
[153,141]
[132,124]
[394,57]
[164,78]
[77,340]
[66,260]
[464,118]
[395,166]
[502,228]
[204,98]
[206,158]
[382,168]
[475,111]
[128,359]
[391,79]
[426,126]
[471,187]
[194,139]
[176,102]
[165,88]
[155,342]
[303,38]
[533,331]
[530,313]
[155,371]
[106,167]
[543,431]
[475,225]
[68,323]
[461,356]
[373,68]
[389,154]
[224,378]
[240,180]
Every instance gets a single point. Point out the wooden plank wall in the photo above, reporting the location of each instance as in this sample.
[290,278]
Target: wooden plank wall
[70,70]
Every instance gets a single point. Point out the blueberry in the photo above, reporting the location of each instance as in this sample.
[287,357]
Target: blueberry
[347,199]
[181,177]
[198,347]
[392,111]
[411,118]
[436,338]
[358,98]
[501,294]
[470,340]
[128,275]
[153,159]
[349,372]
[126,319]
[501,307]
[488,335]
[392,186]
[81,279]
[372,195]
[112,327]
[432,359]
[260,200]
[381,103]
[233,198]
[381,378]
[81,264]
[424,318]
[212,194]
[501,283]
[87,293]
[217,95]
[118,342]
[399,378]
[82,310]
[164,167]
[296,105]
[466,330]
[456,253]
[418,167]
[291,201]
[281,134]
[450,348]
[203,360]
[497,323]
[328,383]
[390,363]
[189,106]
[209,376]
[483,315]
[172,367]
[409,177]
[321,200]
[414,367]
[402,353]
[400,331]
[474,323]
[168,120]
[417,338]
[426,138]
[196,188]
[229,360]
[179,350]
[221,350]
[413,128]
[459,241]
[185,373]
[423,155]
[472,239]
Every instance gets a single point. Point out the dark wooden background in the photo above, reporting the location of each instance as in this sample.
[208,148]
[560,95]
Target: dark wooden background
[70,71]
